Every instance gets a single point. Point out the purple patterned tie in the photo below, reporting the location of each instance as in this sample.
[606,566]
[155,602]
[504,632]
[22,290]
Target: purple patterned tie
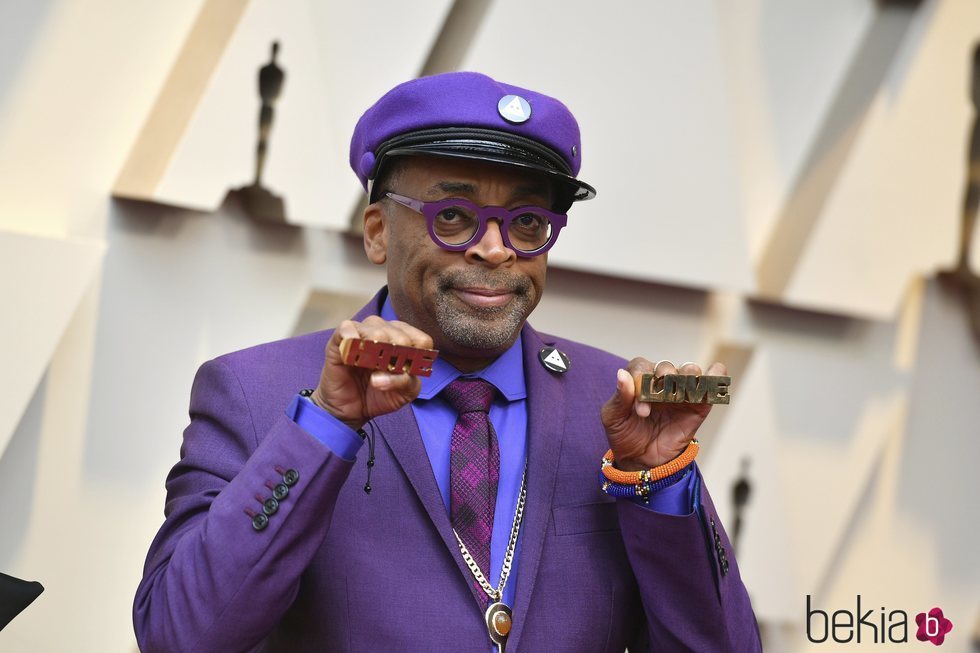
[474,465]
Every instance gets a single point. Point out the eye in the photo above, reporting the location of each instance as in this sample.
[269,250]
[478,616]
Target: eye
[530,222]
[449,215]
[454,224]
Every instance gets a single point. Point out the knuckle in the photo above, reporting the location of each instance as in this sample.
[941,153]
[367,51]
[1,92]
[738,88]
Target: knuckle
[641,365]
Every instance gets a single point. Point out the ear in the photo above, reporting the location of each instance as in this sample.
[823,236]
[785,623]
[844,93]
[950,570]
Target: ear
[376,233]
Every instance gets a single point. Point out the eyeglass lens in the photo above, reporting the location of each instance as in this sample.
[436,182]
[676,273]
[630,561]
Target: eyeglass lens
[456,225]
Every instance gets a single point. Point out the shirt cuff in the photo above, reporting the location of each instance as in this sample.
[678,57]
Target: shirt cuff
[340,438]
[676,499]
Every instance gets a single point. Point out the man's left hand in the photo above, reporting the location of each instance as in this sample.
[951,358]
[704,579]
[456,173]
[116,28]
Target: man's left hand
[645,435]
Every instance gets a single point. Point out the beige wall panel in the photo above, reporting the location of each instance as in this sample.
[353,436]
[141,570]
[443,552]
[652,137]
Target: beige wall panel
[784,64]
[914,545]
[42,282]
[78,82]
[332,56]
[649,91]
[894,211]
[177,288]
[818,397]
[835,396]
[766,557]
[189,77]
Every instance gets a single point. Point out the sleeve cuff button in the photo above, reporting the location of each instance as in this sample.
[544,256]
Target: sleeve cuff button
[270,506]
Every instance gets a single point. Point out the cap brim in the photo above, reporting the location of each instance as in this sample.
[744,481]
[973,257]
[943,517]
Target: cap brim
[490,146]
[580,191]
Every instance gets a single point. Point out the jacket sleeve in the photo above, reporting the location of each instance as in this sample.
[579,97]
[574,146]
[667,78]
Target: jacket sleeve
[693,596]
[222,571]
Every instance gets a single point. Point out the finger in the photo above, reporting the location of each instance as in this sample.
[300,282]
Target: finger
[625,387]
[637,368]
[347,329]
[417,337]
[620,405]
[382,331]
[664,367]
[717,369]
[690,368]
[388,382]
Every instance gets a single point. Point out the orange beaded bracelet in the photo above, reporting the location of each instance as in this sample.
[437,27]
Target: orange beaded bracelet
[649,475]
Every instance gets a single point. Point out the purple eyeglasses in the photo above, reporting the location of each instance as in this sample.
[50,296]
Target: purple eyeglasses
[455,224]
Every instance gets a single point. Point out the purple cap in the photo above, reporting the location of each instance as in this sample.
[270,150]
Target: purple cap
[471,116]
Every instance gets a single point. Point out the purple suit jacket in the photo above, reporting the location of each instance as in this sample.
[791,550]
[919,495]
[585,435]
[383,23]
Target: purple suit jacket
[339,570]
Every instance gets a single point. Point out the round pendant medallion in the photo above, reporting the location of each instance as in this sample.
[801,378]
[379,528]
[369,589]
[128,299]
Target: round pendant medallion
[499,622]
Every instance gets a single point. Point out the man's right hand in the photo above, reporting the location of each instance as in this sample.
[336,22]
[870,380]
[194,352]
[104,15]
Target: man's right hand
[353,394]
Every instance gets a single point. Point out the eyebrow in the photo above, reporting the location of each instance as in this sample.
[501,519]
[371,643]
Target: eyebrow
[452,187]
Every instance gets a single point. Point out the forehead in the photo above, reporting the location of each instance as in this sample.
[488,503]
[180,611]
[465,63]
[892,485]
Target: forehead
[435,176]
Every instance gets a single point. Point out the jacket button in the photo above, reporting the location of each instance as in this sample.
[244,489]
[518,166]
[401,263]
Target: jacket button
[260,521]
[290,477]
[270,506]
[280,492]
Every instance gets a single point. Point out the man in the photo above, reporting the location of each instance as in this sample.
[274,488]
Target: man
[271,540]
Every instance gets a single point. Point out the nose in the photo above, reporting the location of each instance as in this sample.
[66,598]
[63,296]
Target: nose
[491,248]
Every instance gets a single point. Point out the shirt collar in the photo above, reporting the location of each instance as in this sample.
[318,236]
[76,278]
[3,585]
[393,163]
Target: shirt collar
[506,373]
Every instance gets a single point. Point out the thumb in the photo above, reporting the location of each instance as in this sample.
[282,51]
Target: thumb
[619,408]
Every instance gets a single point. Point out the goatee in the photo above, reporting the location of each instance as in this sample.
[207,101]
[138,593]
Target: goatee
[482,327]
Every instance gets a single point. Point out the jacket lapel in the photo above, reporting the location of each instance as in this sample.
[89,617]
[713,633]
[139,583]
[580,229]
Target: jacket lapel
[545,430]
[401,433]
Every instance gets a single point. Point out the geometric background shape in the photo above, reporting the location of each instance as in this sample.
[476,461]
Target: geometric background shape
[782,80]
[330,55]
[42,282]
[894,212]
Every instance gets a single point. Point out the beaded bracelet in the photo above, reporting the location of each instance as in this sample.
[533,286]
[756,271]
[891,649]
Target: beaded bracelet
[649,475]
[642,490]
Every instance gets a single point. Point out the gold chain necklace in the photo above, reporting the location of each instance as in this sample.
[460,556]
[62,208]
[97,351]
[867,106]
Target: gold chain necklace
[499,615]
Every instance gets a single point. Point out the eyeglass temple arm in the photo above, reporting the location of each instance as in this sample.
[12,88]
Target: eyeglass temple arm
[415,205]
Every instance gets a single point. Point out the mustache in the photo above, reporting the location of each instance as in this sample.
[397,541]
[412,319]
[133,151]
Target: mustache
[517,284]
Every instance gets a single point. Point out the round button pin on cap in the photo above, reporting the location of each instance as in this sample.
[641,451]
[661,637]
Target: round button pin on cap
[554,360]
[514,108]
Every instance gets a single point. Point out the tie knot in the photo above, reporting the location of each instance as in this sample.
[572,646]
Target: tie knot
[469,395]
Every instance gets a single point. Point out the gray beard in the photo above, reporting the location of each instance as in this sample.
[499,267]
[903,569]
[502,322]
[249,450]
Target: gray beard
[482,327]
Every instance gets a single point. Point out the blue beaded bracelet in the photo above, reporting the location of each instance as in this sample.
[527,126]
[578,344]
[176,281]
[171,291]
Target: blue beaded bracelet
[640,490]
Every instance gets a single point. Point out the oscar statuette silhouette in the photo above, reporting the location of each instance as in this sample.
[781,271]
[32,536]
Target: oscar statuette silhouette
[258,201]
